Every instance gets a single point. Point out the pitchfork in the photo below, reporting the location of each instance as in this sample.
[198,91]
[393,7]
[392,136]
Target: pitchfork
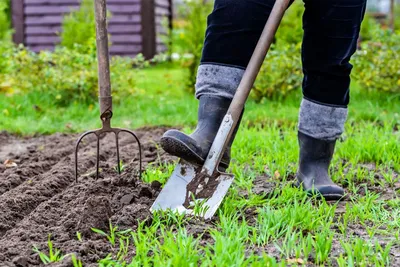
[105,99]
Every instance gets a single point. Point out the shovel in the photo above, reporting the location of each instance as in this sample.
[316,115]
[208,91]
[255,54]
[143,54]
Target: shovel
[199,190]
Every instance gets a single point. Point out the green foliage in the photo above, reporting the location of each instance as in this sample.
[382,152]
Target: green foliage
[368,27]
[76,262]
[291,28]
[280,74]
[188,38]
[190,35]
[78,27]
[121,166]
[54,255]
[198,206]
[377,64]
[110,237]
[114,234]
[5,21]
[79,236]
[361,253]
[66,75]
[5,48]
[397,17]
[159,173]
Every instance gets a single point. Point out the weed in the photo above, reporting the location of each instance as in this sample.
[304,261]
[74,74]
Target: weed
[199,207]
[79,236]
[121,167]
[123,248]
[76,262]
[111,237]
[159,173]
[53,255]
[322,244]
[360,253]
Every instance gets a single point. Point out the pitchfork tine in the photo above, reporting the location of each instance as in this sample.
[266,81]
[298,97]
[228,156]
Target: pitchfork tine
[118,161]
[98,157]
[140,149]
[76,152]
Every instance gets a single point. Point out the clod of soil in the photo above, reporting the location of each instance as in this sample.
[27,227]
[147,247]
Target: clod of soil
[39,196]
[96,214]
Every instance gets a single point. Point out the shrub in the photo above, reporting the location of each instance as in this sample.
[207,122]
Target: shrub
[190,34]
[291,29]
[280,74]
[79,29]
[377,64]
[5,21]
[66,75]
[368,27]
[4,48]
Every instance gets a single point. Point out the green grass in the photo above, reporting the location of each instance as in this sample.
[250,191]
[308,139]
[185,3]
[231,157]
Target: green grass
[53,254]
[283,228]
[161,100]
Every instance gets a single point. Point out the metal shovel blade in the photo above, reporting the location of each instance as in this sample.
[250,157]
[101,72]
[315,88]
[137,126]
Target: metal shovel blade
[190,191]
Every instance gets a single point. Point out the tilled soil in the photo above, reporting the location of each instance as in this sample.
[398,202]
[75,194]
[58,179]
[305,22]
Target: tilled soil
[39,195]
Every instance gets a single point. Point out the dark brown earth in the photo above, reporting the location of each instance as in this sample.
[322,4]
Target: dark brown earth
[39,196]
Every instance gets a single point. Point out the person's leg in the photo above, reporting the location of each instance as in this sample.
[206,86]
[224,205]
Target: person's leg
[233,30]
[331,31]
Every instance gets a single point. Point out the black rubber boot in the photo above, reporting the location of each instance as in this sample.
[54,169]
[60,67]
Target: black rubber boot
[315,158]
[194,148]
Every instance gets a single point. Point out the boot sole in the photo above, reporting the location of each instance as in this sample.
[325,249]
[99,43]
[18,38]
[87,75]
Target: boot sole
[179,149]
[327,197]
[319,195]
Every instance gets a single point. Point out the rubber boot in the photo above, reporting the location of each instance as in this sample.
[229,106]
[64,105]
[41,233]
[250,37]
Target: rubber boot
[194,148]
[315,158]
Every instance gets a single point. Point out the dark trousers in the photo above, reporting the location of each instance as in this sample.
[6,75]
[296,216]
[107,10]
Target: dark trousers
[331,30]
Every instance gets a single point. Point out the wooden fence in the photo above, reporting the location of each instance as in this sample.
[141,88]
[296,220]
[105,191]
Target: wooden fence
[135,26]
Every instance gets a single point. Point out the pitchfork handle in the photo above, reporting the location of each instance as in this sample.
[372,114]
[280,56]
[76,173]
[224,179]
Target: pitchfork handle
[103,59]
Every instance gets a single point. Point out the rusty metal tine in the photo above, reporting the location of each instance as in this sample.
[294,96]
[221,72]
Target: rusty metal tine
[140,149]
[98,157]
[76,152]
[140,157]
[118,161]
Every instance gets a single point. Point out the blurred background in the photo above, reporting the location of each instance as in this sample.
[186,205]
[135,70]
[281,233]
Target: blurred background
[49,60]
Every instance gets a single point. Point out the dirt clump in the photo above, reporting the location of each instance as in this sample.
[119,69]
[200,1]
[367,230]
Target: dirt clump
[96,214]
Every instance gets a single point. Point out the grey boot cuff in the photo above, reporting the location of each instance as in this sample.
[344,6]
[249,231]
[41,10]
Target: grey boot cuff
[321,121]
[218,80]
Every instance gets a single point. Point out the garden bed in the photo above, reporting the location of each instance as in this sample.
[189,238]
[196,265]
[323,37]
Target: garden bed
[39,196]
